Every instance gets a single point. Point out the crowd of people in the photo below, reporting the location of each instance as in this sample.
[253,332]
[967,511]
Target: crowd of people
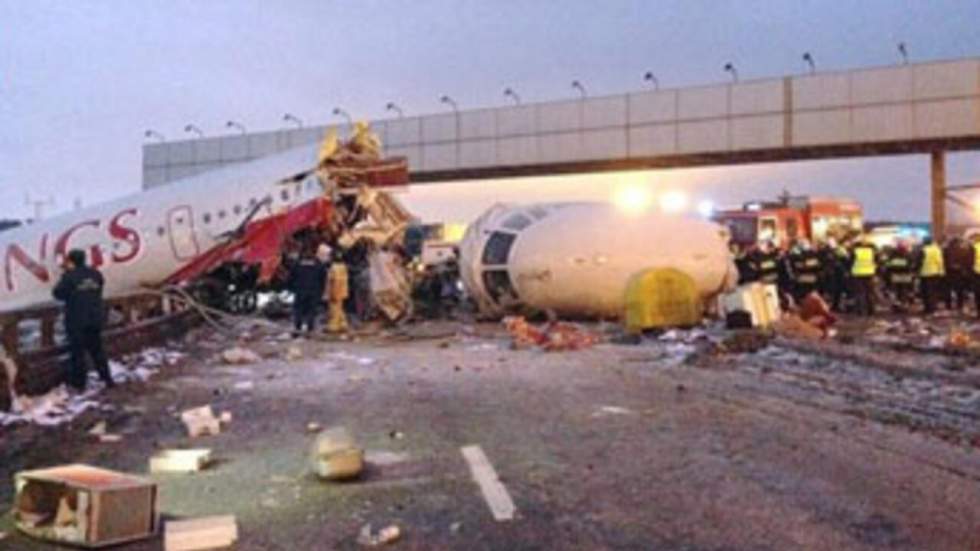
[854,275]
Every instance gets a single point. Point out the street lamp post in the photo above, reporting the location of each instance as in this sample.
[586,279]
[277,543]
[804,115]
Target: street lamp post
[581,89]
[452,103]
[730,68]
[392,106]
[150,133]
[809,61]
[904,53]
[650,77]
[289,117]
[237,125]
[337,111]
[191,128]
[509,92]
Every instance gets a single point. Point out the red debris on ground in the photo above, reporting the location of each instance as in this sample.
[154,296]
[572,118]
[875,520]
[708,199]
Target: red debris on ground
[815,311]
[553,337]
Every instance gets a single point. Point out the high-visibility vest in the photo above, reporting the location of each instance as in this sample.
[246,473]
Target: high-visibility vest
[976,257]
[932,261]
[864,262]
[337,288]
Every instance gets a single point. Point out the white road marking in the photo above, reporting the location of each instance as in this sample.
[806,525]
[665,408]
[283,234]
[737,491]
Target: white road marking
[486,477]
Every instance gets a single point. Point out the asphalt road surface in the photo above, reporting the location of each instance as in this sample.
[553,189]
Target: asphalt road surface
[656,446]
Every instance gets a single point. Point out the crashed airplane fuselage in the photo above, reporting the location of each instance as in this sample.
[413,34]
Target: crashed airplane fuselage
[576,259]
[176,233]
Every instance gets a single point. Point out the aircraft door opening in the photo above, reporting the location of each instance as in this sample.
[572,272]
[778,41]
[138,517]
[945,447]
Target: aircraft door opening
[180,225]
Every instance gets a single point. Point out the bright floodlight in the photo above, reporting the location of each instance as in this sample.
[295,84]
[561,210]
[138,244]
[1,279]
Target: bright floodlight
[633,197]
[673,201]
[706,208]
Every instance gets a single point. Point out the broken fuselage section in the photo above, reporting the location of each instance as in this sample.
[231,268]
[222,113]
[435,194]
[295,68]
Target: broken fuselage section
[576,259]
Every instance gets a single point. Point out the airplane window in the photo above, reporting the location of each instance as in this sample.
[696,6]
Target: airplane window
[498,248]
[499,286]
[221,213]
[180,220]
[207,218]
[284,194]
[161,231]
[298,189]
[252,202]
[517,222]
[237,209]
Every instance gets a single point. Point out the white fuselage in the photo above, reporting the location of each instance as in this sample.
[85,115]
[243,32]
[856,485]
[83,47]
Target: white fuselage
[575,259]
[144,238]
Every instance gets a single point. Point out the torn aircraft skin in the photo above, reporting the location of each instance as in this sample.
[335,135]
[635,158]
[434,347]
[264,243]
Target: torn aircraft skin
[228,227]
[577,259]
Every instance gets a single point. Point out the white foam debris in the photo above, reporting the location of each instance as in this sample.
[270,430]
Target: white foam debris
[59,406]
[482,346]
[54,408]
[611,410]
[346,356]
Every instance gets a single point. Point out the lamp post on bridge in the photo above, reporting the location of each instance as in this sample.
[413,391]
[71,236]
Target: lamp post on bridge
[392,106]
[650,77]
[809,61]
[730,68]
[581,89]
[338,112]
[193,129]
[237,125]
[150,133]
[452,103]
[904,53]
[509,92]
[289,117]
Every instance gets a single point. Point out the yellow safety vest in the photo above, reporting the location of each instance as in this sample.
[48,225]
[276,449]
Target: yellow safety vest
[864,262]
[932,262]
[976,257]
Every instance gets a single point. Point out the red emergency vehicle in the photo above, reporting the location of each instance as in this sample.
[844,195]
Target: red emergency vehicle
[789,218]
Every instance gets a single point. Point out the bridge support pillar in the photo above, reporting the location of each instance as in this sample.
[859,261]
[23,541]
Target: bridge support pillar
[938,172]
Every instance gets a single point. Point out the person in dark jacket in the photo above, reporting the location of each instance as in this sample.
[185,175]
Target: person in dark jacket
[743,263]
[805,269]
[899,271]
[80,288]
[306,280]
[958,259]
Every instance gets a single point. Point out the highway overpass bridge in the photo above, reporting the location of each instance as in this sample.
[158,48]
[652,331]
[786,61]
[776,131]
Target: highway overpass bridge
[926,108]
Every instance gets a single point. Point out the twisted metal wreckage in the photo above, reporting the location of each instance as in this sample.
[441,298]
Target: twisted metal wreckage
[351,211]
[348,211]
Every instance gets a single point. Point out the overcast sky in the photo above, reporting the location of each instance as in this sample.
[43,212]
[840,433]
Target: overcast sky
[80,81]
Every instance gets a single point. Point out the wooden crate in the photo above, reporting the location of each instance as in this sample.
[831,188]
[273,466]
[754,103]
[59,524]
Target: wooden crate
[85,506]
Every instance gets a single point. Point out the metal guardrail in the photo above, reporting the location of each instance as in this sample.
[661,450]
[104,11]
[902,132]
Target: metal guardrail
[134,321]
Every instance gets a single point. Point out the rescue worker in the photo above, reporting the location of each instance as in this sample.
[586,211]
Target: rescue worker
[931,274]
[805,267]
[765,263]
[80,288]
[832,276]
[306,281]
[899,273]
[863,269]
[337,291]
[742,263]
[958,261]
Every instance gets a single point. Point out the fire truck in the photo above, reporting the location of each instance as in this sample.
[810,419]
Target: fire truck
[789,218]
